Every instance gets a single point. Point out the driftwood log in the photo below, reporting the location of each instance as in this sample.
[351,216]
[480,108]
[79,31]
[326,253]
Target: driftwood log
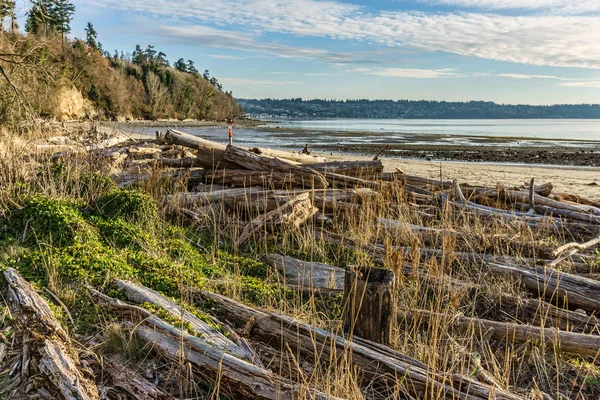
[132,382]
[308,274]
[359,169]
[305,176]
[238,378]
[56,358]
[141,295]
[291,215]
[245,178]
[378,365]
[568,342]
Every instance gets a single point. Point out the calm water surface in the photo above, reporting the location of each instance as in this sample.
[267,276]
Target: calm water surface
[506,133]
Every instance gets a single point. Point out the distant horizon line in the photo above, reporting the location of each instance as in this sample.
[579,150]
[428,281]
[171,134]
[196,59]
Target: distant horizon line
[422,100]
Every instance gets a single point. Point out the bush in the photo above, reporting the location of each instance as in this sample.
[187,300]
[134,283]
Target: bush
[43,220]
[130,205]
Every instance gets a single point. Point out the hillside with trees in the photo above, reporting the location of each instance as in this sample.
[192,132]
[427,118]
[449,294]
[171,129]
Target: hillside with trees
[408,109]
[45,73]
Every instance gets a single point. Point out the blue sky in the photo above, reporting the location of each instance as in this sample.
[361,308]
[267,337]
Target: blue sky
[508,51]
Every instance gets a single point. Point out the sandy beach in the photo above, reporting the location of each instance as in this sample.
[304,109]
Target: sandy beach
[584,181]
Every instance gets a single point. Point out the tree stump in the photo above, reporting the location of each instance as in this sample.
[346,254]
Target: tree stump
[368,303]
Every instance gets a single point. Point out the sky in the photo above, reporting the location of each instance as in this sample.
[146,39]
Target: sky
[507,51]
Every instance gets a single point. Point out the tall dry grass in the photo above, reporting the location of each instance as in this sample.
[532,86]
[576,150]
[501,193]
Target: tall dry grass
[530,370]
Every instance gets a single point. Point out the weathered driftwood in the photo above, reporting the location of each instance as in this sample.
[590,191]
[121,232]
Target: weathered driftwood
[132,382]
[193,177]
[522,197]
[568,342]
[308,274]
[573,290]
[291,214]
[559,212]
[378,365]
[576,246]
[369,303]
[576,199]
[546,282]
[339,180]
[305,176]
[210,154]
[186,162]
[57,363]
[245,178]
[360,169]
[140,295]
[237,377]
[262,200]
[294,157]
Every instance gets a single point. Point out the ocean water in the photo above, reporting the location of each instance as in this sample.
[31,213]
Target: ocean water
[294,134]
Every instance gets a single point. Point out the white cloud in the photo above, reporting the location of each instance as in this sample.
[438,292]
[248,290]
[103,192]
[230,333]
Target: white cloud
[589,84]
[555,40]
[246,42]
[524,76]
[281,73]
[320,74]
[416,73]
[556,6]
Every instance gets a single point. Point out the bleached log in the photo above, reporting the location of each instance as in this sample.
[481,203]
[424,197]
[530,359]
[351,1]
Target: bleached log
[132,382]
[575,343]
[245,178]
[308,274]
[378,364]
[140,295]
[521,197]
[210,154]
[291,214]
[559,212]
[350,168]
[304,175]
[576,199]
[186,162]
[58,363]
[237,377]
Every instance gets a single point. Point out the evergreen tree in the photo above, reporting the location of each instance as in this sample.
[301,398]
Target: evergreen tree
[5,11]
[63,11]
[180,65]
[191,67]
[91,36]
[161,60]
[138,57]
[39,18]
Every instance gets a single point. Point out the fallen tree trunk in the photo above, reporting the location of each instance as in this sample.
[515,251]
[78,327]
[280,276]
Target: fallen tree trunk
[237,377]
[522,197]
[56,357]
[350,168]
[337,180]
[576,199]
[308,274]
[572,290]
[378,364]
[211,155]
[559,212]
[568,342]
[292,214]
[141,295]
[304,175]
[132,382]
[245,178]
[186,162]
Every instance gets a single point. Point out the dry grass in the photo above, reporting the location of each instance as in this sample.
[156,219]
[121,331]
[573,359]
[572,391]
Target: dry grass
[530,370]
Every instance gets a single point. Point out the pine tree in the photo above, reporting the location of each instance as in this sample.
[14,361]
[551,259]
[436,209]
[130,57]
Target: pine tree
[91,36]
[4,12]
[191,67]
[180,65]
[63,11]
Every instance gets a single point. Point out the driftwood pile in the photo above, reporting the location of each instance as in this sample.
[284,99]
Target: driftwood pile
[270,190]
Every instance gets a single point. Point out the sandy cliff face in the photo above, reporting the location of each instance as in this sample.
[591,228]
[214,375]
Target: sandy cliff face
[69,104]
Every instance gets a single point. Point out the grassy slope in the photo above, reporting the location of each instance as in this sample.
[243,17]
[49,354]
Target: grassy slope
[40,68]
